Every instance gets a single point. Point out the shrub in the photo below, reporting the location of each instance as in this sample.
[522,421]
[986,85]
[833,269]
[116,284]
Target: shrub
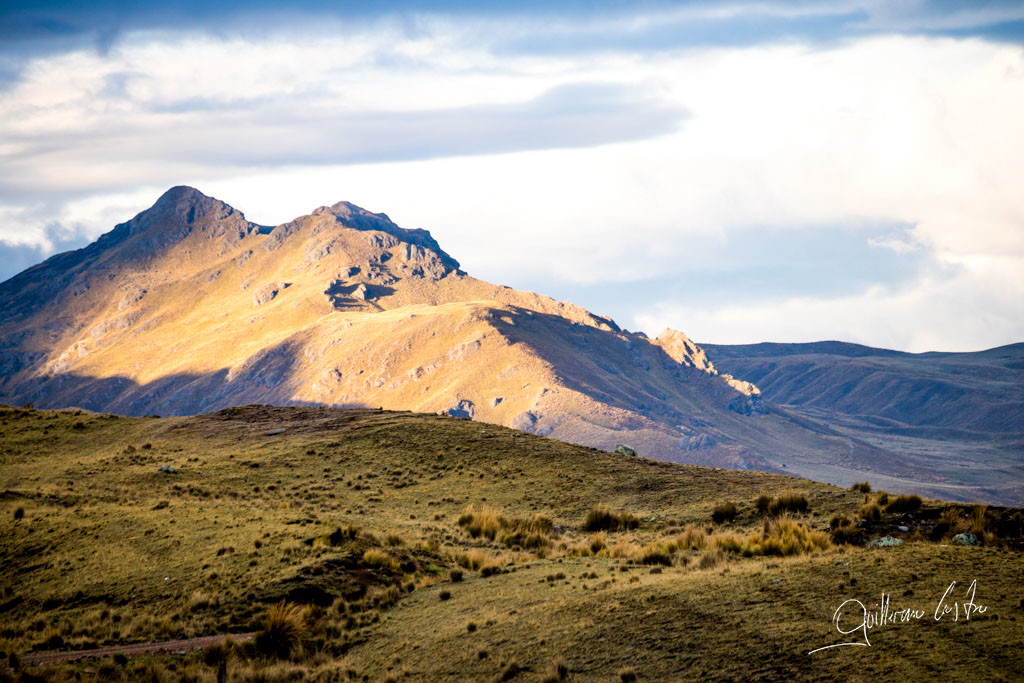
[557,671]
[904,504]
[710,559]
[730,542]
[107,671]
[581,550]
[692,538]
[661,552]
[212,655]
[510,671]
[623,549]
[340,535]
[762,502]
[847,535]
[199,601]
[601,518]
[979,521]
[655,554]
[870,512]
[949,524]
[598,542]
[781,536]
[19,513]
[474,560]
[724,512]
[883,499]
[790,502]
[482,520]
[485,521]
[379,558]
[283,628]
[861,487]
[394,540]
[478,561]
[627,675]
[838,521]
[785,537]
[455,575]
[445,595]
[389,596]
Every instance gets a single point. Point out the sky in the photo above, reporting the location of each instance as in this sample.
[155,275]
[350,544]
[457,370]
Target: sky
[743,172]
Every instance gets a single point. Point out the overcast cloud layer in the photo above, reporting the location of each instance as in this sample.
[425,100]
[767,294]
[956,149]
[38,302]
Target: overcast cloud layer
[743,173]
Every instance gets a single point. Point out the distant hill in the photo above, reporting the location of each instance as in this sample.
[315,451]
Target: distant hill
[189,307]
[959,413]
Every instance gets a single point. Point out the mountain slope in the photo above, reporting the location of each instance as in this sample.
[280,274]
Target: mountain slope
[189,307]
[958,413]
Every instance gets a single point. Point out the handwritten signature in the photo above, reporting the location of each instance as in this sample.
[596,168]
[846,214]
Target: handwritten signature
[853,617]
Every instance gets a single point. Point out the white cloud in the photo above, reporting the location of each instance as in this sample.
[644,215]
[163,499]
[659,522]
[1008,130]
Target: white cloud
[885,130]
[976,308]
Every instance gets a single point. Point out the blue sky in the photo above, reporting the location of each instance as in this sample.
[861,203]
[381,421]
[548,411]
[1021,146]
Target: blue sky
[740,171]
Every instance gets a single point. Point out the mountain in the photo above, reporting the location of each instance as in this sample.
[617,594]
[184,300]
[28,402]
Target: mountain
[189,308]
[959,414]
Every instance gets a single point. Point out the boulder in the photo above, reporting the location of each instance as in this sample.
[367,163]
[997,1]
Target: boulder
[886,542]
[464,409]
[265,294]
[525,421]
[966,539]
[751,404]
[623,449]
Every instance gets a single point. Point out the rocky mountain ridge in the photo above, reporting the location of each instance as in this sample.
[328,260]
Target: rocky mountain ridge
[189,307]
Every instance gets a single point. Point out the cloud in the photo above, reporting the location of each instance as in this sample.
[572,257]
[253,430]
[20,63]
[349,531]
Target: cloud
[976,308]
[16,256]
[582,25]
[769,179]
[253,133]
[146,111]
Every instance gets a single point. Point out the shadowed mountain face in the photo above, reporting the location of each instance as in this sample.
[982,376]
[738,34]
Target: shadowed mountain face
[957,413]
[188,308]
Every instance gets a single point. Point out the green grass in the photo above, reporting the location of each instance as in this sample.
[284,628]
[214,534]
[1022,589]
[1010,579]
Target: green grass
[366,519]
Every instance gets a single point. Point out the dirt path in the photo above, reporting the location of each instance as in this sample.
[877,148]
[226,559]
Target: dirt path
[136,649]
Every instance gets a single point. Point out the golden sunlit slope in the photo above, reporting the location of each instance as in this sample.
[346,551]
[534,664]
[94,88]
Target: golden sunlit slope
[412,543]
[189,308]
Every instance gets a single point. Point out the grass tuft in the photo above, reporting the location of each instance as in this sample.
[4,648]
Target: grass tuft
[378,558]
[904,504]
[781,536]
[283,629]
[724,512]
[790,502]
[602,518]
[484,521]
[870,512]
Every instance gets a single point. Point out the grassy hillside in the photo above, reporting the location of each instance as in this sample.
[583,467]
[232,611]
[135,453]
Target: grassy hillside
[419,547]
